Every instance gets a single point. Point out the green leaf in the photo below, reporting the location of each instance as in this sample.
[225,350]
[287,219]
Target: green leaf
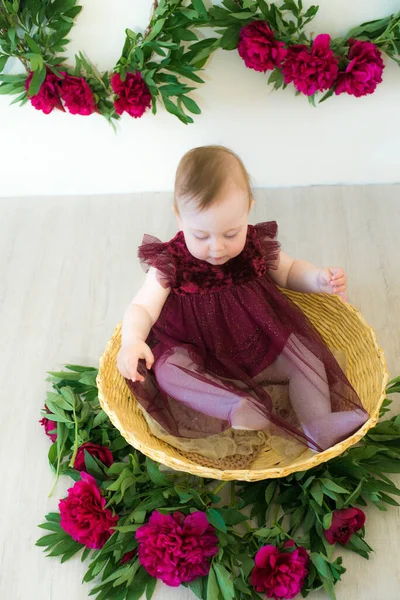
[316,492]
[311,12]
[327,95]
[186,35]
[68,545]
[150,587]
[241,586]
[52,538]
[100,418]
[197,587]
[38,78]
[175,110]
[155,30]
[321,564]
[270,491]
[53,517]
[80,369]
[198,5]
[93,468]
[331,485]
[58,400]
[328,587]
[230,38]
[190,13]
[327,520]
[212,586]
[216,519]
[191,105]
[12,36]
[154,473]
[243,15]
[65,375]
[309,520]
[231,516]
[3,62]
[32,44]
[224,581]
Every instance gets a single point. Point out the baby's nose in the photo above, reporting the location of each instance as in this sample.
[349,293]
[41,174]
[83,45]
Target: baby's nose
[217,244]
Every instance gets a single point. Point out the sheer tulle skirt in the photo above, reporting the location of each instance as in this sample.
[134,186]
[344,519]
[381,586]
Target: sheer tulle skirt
[222,359]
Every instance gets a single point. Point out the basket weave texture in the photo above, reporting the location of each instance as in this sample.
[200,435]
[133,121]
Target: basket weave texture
[341,327]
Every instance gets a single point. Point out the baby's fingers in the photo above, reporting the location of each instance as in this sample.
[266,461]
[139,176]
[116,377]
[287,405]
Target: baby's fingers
[131,371]
[148,355]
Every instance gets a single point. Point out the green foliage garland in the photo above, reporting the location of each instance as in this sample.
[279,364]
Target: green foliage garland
[298,507]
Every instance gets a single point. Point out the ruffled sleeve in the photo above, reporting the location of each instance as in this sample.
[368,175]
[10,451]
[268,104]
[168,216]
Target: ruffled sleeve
[269,245]
[154,253]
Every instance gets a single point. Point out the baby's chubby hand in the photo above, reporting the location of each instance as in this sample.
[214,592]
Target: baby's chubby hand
[128,358]
[333,281]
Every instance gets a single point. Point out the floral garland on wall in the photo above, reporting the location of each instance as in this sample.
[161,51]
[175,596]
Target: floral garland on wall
[135,524]
[156,65]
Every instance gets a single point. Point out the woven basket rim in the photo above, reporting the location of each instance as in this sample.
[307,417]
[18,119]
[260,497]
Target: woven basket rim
[186,465]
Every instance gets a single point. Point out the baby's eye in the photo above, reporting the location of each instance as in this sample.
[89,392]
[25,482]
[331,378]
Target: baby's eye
[199,237]
[229,237]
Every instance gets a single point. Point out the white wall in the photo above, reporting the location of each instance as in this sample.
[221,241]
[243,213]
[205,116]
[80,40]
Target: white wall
[283,140]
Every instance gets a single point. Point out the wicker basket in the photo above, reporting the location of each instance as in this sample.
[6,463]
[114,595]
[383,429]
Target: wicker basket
[341,326]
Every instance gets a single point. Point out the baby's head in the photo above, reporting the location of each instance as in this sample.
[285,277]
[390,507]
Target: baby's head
[213,199]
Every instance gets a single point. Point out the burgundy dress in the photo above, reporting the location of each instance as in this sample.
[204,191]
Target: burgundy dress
[221,327]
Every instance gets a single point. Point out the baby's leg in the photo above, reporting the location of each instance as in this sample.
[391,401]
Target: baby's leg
[186,380]
[310,396]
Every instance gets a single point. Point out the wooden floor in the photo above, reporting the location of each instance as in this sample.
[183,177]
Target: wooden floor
[67,270]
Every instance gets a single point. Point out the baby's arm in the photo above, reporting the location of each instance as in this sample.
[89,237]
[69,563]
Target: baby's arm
[139,318]
[302,276]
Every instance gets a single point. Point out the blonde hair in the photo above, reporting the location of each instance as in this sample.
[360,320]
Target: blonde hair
[203,171]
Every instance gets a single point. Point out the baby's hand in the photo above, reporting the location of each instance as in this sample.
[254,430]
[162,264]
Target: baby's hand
[333,281]
[128,357]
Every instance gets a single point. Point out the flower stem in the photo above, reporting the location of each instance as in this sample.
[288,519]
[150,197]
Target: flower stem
[71,463]
[232,493]
[247,525]
[219,487]
[274,521]
[58,470]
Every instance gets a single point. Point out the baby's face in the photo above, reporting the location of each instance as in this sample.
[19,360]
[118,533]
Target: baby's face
[218,233]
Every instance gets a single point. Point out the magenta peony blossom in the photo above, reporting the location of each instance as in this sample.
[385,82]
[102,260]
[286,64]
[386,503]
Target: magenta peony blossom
[47,97]
[49,426]
[345,522]
[364,71]
[311,70]
[133,95]
[280,574]
[258,47]
[175,548]
[83,515]
[100,452]
[77,95]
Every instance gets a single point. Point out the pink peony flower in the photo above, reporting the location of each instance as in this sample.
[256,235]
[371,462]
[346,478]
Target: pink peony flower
[133,95]
[77,95]
[175,548]
[47,97]
[258,47]
[280,574]
[49,426]
[364,71]
[100,452]
[83,515]
[345,522]
[311,70]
